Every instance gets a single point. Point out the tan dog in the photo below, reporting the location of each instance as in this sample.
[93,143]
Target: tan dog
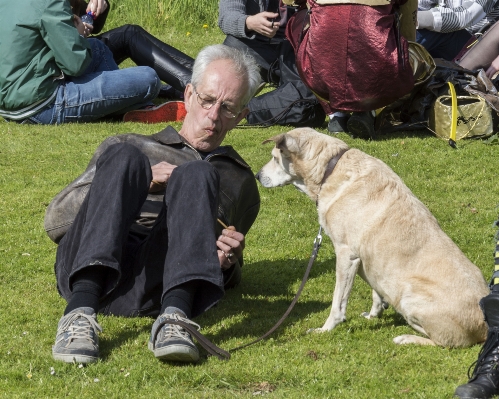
[381,231]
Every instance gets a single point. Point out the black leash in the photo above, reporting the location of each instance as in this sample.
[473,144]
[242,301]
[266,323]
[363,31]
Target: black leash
[214,350]
[317,245]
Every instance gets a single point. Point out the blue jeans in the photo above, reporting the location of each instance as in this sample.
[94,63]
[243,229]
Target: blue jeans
[443,45]
[102,90]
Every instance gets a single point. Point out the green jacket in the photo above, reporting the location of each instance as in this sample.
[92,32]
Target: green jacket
[39,45]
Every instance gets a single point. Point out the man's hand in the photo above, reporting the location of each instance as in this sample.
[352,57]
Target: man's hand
[97,6]
[230,247]
[262,23]
[161,173]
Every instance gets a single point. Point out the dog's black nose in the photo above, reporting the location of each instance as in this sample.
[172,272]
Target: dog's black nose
[257,176]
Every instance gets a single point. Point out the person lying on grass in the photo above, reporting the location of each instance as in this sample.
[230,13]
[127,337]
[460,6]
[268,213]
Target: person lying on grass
[162,240]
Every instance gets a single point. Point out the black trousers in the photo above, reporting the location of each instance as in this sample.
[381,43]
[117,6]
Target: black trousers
[131,41]
[180,247]
[266,55]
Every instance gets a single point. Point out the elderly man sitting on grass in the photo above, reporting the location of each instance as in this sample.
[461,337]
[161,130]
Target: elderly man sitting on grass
[162,240]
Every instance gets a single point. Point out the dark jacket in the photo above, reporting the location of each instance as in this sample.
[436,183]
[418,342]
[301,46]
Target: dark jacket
[239,200]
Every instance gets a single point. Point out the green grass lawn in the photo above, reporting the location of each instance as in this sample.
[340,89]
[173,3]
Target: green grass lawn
[356,360]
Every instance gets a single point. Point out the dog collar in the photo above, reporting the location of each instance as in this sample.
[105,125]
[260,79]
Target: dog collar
[329,169]
[331,165]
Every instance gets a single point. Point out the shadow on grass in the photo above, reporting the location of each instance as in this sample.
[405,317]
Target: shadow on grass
[265,293]
[107,345]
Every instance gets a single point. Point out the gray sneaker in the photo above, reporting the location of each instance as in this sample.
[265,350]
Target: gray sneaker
[76,339]
[171,342]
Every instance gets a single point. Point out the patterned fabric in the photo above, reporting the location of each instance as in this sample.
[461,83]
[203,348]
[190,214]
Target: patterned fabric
[452,15]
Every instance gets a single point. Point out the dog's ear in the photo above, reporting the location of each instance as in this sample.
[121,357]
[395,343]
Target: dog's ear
[276,139]
[285,143]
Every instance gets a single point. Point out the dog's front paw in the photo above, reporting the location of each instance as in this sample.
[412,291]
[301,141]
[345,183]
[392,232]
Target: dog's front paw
[367,315]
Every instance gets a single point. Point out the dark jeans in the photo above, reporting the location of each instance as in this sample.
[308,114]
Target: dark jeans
[180,247]
[443,45]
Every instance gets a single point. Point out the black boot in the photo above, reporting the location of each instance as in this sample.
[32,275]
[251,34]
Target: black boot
[484,382]
[131,41]
[361,124]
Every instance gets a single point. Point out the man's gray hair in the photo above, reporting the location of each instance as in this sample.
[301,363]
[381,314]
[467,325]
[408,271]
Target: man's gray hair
[244,65]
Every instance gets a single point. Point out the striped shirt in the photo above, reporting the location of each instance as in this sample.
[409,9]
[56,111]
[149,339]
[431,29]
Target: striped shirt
[452,15]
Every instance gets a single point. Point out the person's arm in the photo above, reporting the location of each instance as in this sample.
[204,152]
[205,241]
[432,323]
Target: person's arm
[447,19]
[263,24]
[71,51]
[232,16]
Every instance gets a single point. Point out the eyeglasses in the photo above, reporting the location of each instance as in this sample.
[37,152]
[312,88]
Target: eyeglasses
[207,102]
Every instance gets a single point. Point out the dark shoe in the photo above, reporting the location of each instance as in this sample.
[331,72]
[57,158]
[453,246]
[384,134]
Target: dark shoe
[338,124]
[76,339]
[170,93]
[484,382]
[172,111]
[361,124]
[171,342]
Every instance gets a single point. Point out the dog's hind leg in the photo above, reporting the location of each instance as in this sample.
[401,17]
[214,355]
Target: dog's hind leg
[346,269]
[413,339]
[379,306]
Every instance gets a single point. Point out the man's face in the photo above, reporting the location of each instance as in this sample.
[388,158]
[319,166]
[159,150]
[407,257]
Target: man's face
[205,129]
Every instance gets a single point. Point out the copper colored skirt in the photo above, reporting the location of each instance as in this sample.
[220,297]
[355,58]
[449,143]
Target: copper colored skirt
[349,58]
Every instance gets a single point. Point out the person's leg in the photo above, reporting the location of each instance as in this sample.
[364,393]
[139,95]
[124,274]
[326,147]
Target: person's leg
[192,275]
[93,96]
[484,52]
[102,58]
[443,45]
[89,260]
[131,41]
[484,382]
[265,54]
[178,273]
[166,261]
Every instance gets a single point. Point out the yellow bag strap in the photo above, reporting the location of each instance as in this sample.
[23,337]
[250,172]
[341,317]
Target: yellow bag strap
[453,126]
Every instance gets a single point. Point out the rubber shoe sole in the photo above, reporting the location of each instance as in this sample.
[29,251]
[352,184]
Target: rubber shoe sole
[68,358]
[172,111]
[175,353]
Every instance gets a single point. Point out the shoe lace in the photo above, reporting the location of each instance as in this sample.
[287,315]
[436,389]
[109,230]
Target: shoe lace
[174,330]
[165,321]
[81,330]
[486,357]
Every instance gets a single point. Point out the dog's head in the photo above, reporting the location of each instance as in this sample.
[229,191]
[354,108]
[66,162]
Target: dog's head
[300,157]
